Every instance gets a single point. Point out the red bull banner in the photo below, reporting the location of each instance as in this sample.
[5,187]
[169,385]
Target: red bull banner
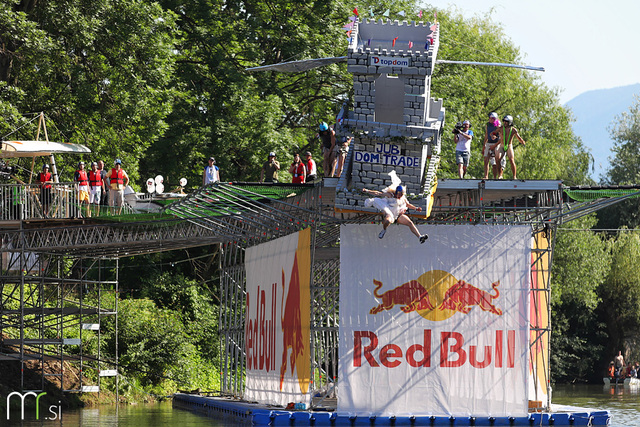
[440,328]
[277,337]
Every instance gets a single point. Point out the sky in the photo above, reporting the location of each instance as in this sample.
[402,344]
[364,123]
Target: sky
[582,44]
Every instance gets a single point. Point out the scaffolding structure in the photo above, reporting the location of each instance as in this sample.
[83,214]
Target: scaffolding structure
[59,279]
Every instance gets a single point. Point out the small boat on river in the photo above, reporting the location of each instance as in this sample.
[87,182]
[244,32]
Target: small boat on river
[627,382]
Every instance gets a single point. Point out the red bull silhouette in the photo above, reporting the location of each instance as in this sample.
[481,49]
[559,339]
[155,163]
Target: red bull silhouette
[411,295]
[291,321]
[463,297]
[448,296]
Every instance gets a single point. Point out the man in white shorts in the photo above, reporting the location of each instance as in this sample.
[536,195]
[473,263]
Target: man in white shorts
[393,204]
[95,188]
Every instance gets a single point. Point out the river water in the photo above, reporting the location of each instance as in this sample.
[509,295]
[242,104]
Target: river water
[623,403]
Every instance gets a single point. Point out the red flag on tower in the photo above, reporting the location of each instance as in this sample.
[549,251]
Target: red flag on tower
[355,11]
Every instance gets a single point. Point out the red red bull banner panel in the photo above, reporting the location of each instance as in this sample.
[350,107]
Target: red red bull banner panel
[277,321]
[440,328]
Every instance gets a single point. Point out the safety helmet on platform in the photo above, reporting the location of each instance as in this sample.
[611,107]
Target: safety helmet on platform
[45,166]
[466,122]
[80,163]
[507,119]
[94,164]
[117,162]
[493,115]
[323,126]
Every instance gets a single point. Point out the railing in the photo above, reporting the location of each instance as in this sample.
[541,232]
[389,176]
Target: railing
[32,202]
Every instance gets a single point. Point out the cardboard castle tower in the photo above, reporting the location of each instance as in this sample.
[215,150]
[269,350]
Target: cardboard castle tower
[395,123]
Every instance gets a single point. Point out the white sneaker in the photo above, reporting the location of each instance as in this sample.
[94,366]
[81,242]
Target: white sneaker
[381,235]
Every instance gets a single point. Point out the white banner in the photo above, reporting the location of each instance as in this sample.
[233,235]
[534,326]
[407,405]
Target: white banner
[277,337]
[434,329]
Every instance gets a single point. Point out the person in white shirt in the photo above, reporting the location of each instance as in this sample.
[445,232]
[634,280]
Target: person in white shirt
[211,173]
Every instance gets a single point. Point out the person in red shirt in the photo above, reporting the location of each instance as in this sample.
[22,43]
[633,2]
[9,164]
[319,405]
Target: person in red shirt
[312,169]
[297,170]
[45,179]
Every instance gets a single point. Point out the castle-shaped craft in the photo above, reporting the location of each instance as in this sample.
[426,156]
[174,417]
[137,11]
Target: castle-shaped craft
[395,123]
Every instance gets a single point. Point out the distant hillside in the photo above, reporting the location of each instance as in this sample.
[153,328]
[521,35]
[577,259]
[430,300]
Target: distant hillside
[594,112]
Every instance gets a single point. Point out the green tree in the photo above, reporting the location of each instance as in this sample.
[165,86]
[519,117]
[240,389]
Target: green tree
[581,263]
[621,290]
[472,92]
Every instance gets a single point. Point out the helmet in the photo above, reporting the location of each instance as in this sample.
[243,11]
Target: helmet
[272,154]
[118,161]
[507,119]
[80,163]
[493,115]
[323,126]
[94,164]
[466,122]
[45,166]
[399,189]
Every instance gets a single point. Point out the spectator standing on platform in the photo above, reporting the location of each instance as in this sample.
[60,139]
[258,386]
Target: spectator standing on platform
[270,168]
[393,205]
[463,138]
[45,179]
[104,197]
[490,146]
[96,185]
[118,180]
[312,169]
[297,170]
[506,133]
[82,178]
[211,172]
[343,149]
[328,138]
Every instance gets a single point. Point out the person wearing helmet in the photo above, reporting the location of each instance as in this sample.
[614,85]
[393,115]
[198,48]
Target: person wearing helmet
[505,134]
[328,138]
[463,138]
[491,148]
[118,180]
[45,179]
[393,205]
[81,177]
[270,168]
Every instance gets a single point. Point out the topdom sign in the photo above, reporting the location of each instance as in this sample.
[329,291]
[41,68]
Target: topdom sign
[389,61]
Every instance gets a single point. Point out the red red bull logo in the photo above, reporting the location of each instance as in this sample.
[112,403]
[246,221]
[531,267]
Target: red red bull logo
[436,295]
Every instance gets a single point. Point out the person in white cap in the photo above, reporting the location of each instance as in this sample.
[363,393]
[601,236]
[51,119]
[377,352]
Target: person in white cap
[462,138]
[506,133]
[270,168]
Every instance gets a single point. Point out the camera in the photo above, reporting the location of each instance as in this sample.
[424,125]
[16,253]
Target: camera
[457,128]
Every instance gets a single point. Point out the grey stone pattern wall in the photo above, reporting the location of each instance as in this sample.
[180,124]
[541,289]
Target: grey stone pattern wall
[419,134]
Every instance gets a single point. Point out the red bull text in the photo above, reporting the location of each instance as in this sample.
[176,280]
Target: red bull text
[260,333]
[453,351]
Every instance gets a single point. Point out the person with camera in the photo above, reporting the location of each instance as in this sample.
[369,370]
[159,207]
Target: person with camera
[462,137]
[297,170]
[270,168]
[505,134]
